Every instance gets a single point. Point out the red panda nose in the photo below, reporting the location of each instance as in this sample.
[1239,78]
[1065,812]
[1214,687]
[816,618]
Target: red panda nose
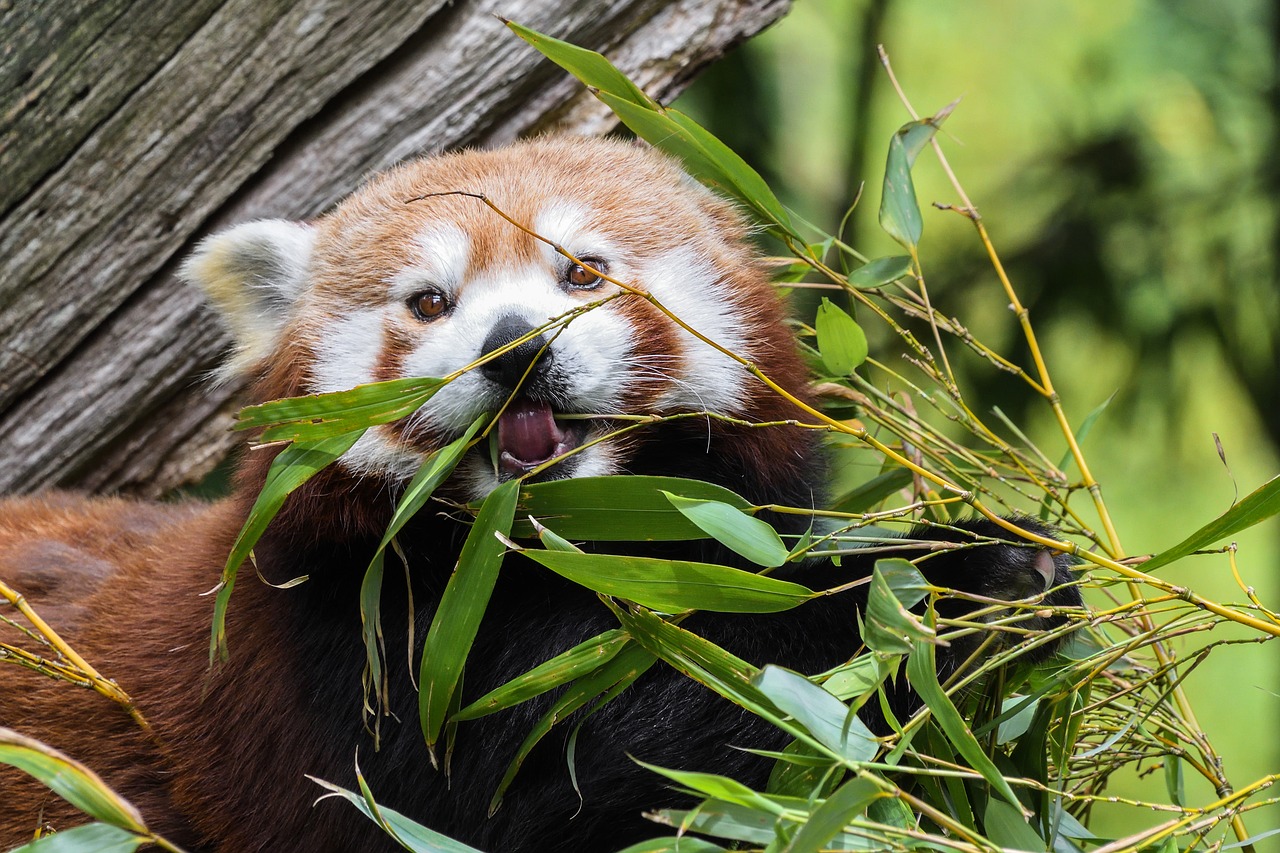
[516,364]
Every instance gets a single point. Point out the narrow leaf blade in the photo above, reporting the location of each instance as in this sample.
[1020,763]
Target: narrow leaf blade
[673,586]
[561,669]
[69,779]
[741,533]
[294,465]
[827,718]
[461,607]
[618,508]
[1256,507]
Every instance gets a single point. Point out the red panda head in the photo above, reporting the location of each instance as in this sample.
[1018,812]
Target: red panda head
[401,281]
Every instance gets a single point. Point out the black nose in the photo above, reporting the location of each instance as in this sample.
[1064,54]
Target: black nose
[513,365]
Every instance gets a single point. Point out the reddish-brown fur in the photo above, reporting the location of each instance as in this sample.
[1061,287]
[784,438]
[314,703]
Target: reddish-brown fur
[223,767]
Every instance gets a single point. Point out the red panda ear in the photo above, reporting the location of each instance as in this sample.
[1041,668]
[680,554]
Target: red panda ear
[252,273]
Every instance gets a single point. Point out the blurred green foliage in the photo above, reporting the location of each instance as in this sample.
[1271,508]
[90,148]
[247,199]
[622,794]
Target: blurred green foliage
[1123,157]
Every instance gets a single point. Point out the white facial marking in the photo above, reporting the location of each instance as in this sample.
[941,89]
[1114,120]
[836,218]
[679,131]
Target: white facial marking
[347,353]
[347,350]
[446,252]
[687,285]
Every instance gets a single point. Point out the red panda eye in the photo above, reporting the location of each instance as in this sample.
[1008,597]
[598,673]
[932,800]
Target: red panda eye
[581,277]
[429,304]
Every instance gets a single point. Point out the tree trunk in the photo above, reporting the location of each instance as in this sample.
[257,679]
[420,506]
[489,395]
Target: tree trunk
[131,128]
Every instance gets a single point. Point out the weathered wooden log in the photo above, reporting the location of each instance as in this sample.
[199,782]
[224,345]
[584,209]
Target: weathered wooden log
[128,130]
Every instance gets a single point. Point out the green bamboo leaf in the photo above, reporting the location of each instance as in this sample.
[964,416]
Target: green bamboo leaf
[899,211]
[1006,826]
[800,771]
[760,828]
[709,665]
[672,586]
[1258,506]
[747,182]
[69,779]
[317,416]
[858,677]
[602,685]
[705,156]
[551,540]
[825,717]
[578,661]
[840,339]
[712,163]
[435,470]
[457,619]
[619,508]
[294,465]
[739,532]
[891,627]
[829,818]
[872,492]
[725,820]
[587,65]
[881,271]
[410,834]
[922,673]
[674,844]
[717,787]
[90,838]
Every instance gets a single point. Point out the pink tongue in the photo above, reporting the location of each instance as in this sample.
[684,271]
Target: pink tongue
[527,432]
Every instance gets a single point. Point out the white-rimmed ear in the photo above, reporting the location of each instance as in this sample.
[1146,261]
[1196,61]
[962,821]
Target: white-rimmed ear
[252,273]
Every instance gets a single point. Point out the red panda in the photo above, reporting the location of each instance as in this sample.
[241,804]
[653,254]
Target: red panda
[406,279]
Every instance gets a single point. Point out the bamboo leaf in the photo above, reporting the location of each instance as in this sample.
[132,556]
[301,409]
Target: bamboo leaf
[825,822]
[725,820]
[578,661]
[434,471]
[90,838]
[709,665]
[619,508]
[899,211]
[604,684]
[588,66]
[674,844]
[672,586]
[739,532]
[922,673]
[840,339]
[551,540]
[69,779]
[858,677]
[457,619]
[1258,506]
[1006,826]
[705,157]
[825,717]
[717,787]
[410,834]
[880,272]
[891,628]
[317,416]
[294,465]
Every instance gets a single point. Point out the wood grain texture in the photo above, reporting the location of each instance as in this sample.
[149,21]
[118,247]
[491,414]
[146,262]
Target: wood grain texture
[231,111]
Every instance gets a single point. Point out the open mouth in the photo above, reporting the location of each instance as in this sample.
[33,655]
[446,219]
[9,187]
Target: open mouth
[528,436]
